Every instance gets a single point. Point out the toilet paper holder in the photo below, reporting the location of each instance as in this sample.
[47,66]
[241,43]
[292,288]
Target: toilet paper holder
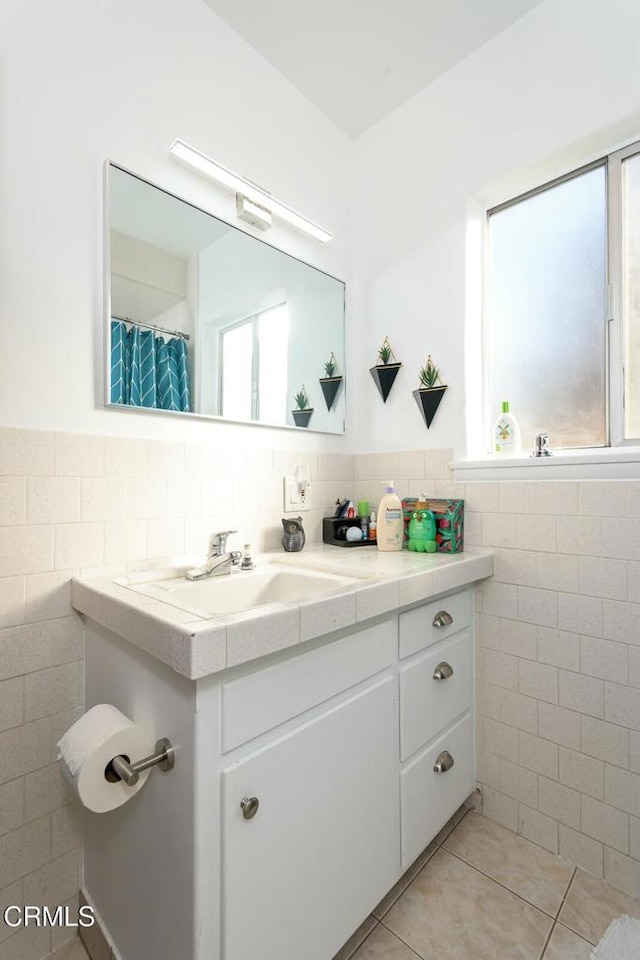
[121,767]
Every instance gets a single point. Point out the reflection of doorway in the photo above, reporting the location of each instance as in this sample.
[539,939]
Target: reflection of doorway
[253,367]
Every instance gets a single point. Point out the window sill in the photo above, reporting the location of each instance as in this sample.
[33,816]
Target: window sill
[620,463]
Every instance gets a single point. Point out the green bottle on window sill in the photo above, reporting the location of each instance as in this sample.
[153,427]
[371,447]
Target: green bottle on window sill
[506,434]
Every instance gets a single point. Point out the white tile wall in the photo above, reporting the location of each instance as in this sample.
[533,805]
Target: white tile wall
[571,621]
[73,503]
[557,628]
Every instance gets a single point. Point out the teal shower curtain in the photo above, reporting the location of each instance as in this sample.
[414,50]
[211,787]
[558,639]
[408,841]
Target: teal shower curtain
[146,370]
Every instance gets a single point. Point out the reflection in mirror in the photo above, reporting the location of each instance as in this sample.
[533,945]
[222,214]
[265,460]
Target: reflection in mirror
[206,319]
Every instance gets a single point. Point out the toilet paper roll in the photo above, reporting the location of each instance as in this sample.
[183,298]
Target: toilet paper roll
[89,746]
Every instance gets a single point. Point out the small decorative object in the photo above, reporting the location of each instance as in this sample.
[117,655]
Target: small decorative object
[331,382]
[293,538]
[422,530]
[385,372]
[428,395]
[302,412]
[449,520]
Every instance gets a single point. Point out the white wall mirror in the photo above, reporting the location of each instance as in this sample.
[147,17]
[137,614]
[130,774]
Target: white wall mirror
[205,319]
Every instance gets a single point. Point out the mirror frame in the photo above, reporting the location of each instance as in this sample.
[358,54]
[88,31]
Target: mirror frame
[108,164]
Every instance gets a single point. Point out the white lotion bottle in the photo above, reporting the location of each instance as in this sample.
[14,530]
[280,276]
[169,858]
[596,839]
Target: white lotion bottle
[390,531]
[506,434]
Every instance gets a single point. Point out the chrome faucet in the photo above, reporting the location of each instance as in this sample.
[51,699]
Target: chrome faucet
[219,561]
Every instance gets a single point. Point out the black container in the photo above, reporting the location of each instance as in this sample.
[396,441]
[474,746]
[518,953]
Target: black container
[334,531]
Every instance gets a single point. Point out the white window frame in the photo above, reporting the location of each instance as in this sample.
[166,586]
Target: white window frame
[616,297]
[620,458]
[253,320]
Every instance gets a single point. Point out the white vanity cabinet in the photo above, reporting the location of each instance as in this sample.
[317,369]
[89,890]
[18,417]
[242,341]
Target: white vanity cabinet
[321,848]
[305,783]
[310,815]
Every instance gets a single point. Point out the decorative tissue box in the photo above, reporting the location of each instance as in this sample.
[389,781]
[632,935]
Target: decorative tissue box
[449,516]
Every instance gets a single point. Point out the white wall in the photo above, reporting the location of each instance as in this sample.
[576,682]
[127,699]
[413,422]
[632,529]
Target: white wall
[557,88]
[84,80]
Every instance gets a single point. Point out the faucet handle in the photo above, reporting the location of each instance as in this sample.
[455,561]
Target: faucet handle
[218,542]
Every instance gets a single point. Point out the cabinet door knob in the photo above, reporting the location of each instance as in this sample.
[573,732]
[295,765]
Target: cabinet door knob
[444,762]
[442,619]
[249,806]
[443,671]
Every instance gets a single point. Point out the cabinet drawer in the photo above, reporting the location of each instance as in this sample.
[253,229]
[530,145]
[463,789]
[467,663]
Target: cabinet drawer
[261,701]
[427,704]
[427,798]
[421,627]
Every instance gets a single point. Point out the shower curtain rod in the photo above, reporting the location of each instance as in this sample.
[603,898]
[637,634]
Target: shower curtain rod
[152,326]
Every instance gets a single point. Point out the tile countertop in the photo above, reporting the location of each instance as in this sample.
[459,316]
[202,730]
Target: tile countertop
[197,646]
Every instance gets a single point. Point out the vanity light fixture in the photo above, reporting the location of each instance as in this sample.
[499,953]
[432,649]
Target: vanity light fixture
[252,202]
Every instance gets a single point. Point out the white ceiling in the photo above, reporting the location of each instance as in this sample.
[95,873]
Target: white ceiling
[358,60]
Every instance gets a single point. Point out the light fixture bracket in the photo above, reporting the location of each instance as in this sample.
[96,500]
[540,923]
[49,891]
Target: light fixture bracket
[250,192]
[253,213]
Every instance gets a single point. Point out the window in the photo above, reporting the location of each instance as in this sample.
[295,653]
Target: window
[254,367]
[562,319]
[629,267]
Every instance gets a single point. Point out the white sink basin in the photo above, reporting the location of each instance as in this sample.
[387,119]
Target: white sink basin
[241,591]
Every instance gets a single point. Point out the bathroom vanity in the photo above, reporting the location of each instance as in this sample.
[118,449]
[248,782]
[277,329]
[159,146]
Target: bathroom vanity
[321,742]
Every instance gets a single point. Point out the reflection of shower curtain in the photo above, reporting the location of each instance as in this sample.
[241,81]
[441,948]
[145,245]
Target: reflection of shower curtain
[147,371]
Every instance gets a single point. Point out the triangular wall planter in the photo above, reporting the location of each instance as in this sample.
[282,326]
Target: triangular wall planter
[384,376]
[428,400]
[302,417]
[330,387]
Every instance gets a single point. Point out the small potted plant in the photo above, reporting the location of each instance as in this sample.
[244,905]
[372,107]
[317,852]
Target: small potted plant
[429,394]
[302,412]
[330,383]
[386,370]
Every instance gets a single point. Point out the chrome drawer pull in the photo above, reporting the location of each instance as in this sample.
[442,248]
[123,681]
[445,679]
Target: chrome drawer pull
[444,762]
[249,807]
[442,619]
[443,671]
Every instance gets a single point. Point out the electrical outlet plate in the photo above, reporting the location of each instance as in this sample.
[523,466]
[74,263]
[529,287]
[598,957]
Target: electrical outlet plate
[294,501]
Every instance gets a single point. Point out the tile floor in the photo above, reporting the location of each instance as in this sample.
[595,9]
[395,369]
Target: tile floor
[479,891]
[72,950]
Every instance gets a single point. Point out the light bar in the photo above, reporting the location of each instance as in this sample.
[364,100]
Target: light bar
[214,171]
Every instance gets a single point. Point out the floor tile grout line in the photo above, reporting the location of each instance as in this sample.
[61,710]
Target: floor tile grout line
[566,893]
[549,935]
[409,881]
[362,942]
[563,923]
[498,882]
[438,845]
[407,945]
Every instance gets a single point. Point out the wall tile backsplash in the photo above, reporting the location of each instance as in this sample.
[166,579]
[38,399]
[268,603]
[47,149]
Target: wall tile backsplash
[72,503]
[557,627]
[558,668]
